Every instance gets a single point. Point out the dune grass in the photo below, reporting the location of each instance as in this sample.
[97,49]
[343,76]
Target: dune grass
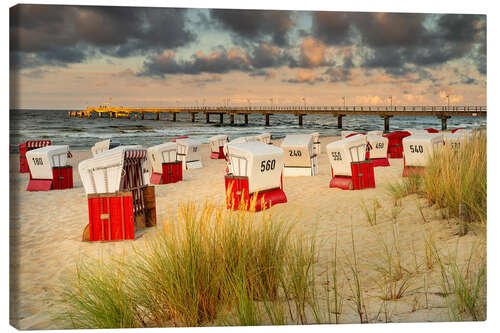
[97,297]
[464,284]
[458,177]
[394,279]
[409,185]
[204,266]
[370,211]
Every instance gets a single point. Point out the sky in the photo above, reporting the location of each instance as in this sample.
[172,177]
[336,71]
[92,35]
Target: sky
[70,57]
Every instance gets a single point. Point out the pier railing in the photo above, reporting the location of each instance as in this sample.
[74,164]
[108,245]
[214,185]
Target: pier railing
[442,112]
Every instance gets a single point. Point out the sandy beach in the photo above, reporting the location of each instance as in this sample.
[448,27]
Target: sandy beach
[46,230]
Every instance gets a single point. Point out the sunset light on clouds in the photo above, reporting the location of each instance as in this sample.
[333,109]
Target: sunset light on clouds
[67,57]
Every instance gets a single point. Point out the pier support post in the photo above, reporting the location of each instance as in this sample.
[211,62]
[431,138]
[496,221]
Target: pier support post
[267,119]
[386,123]
[157,116]
[207,117]
[100,114]
[174,116]
[193,117]
[221,118]
[246,119]
[231,118]
[339,120]
[142,116]
[300,119]
[444,125]
[128,115]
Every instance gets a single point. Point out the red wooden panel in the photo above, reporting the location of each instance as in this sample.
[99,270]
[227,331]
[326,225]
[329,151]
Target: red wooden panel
[395,151]
[62,178]
[23,149]
[269,198]
[172,172]
[344,183]
[380,162]
[431,130]
[39,185]
[236,191]
[363,175]
[237,194]
[218,155]
[111,218]
[156,178]
[179,171]
[23,165]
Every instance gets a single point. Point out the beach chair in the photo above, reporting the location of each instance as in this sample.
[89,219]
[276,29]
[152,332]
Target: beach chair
[48,168]
[350,168]
[27,146]
[395,145]
[254,176]
[165,167]
[418,149]
[217,143]
[120,205]
[377,150]
[189,153]
[104,145]
[299,159]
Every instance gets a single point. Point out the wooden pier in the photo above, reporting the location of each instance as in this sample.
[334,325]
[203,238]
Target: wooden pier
[385,112]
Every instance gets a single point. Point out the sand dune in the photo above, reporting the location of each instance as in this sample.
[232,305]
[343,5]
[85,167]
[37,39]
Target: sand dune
[46,230]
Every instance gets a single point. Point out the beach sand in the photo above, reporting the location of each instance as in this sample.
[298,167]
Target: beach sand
[46,230]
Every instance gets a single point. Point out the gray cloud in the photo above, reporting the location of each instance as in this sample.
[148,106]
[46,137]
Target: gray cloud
[255,25]
[57,35]
[219,62]
[393,40]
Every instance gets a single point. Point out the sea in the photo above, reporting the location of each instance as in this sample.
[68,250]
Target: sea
[83,133]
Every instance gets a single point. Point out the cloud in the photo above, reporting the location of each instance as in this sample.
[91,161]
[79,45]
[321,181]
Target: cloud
[36,73]
[369,100]
[313,53]
[306,76]
[255,25]
[268,75]
[201,80]
[219,61]
[56,35]
[265,55]
[449,37]
[333,28]
[394,40]
[341,73]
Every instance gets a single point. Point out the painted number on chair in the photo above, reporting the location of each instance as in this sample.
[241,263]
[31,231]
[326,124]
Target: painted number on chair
[37,161]
[337,156]
[267,165]
[379,145]
[295,153]
[416,149]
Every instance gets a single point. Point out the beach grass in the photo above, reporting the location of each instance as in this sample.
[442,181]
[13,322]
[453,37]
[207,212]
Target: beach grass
[457,178]
[97,297]
[205,264]
[463,282]
[409,185]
